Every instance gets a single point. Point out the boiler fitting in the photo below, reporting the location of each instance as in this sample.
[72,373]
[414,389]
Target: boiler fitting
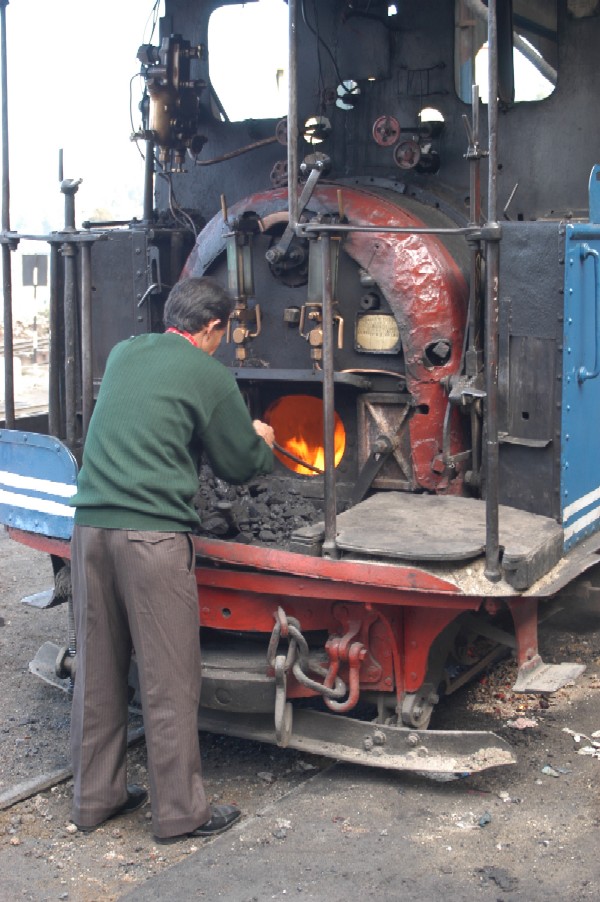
[170,105]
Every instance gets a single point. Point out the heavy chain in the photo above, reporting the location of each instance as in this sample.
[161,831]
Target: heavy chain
[298,658]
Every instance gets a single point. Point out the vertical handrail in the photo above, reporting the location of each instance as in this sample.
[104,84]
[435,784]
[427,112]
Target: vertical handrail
[292,121]
[492,260]
[474,157]
[69,188]
[9,383]
[55,419]
[148,183]
[329,544]
[473,354]
[87,380]
[583,373]
[69,252]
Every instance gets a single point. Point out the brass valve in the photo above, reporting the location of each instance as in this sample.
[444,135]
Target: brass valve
[248,324]
[313,312]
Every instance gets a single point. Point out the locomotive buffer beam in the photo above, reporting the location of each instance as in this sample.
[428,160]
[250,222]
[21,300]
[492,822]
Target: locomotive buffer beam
[430,752]
[376,745]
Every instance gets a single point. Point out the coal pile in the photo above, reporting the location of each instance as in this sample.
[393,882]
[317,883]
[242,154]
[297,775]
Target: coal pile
[265,511]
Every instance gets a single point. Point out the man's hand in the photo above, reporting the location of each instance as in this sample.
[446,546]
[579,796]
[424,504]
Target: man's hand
[265,431]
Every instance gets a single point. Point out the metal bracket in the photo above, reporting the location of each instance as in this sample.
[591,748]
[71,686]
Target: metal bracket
[380,452]
[276,253]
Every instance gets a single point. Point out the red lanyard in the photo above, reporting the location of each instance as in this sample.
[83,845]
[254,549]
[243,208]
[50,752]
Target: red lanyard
[187,335]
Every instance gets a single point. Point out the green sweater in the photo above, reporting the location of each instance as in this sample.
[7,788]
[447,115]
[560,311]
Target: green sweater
[162,402]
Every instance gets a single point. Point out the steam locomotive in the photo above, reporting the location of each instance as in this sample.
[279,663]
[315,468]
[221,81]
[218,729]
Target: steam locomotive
[413,247]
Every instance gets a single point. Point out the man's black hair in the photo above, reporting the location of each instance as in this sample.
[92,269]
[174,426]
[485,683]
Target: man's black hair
[193,303]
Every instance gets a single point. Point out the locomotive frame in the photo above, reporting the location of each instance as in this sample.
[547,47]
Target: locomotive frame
[454,344]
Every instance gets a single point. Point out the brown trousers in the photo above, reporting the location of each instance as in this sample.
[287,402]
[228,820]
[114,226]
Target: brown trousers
[137,589]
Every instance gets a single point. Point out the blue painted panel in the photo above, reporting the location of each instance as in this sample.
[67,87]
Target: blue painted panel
[38,475]
[580,451]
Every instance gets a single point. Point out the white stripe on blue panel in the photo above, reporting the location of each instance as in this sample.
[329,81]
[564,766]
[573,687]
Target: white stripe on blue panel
[45,486]
[580,524]
[579,505]
[42,505]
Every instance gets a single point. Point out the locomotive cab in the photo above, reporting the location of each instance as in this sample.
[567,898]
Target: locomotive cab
[416,317]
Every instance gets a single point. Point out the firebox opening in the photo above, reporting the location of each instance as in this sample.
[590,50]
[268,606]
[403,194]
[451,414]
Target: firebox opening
[298,424]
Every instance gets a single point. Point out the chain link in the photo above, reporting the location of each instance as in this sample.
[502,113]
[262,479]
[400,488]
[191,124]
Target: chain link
[298,658]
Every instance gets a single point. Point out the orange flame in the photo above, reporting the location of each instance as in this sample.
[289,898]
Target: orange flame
[297,421]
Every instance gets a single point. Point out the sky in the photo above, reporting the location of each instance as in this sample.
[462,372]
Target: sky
[69,68]
[257,93]
[69,73]
[73,83]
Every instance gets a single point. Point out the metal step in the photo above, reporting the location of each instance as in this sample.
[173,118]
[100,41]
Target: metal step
[547,677]
[44,666]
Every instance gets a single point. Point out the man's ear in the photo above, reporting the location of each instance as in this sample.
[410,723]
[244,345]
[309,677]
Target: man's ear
[212,325]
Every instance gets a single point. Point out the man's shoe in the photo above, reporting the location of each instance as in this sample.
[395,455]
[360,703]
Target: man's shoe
[222,817]
[136,797]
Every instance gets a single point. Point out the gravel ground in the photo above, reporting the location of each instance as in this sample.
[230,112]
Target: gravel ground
[43,857]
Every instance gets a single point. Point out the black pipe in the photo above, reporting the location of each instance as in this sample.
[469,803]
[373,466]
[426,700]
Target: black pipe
[9,381]
[69,188]
[87,377]
[55,420]
[492,260]
[329,544]
[474,155]
[292,124]
[148,183]
[70,295]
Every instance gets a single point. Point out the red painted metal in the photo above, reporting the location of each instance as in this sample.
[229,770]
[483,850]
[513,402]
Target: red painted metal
[380,619]
[525,617]
[421,627]
[218,589]
[354,656]
[360,573]
[59,547]
[381,598]
[428,295]
[394,622]
[424,287]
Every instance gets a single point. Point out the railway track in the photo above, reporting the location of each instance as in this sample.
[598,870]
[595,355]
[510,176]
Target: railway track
[27,349]
[30,380]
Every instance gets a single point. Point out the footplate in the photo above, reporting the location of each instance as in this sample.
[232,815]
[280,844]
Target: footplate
[375,745]
[44,666]
[547,677]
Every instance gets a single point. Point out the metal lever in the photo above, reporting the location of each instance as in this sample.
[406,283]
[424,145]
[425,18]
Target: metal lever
[275,254]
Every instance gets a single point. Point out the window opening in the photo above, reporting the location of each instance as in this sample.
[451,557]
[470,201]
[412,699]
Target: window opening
[248,59]
[535,49]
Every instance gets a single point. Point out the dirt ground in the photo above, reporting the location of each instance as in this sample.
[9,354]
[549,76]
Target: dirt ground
[541,815]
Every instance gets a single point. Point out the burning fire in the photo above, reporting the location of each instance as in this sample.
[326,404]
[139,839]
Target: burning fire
[298,424]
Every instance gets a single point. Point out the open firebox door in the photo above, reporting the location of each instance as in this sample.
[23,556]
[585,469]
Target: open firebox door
[298,424]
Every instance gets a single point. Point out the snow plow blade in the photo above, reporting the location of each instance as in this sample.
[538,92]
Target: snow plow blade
[428,752]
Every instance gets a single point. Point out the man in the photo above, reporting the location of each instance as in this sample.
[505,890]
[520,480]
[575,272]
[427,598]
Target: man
[164,400]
